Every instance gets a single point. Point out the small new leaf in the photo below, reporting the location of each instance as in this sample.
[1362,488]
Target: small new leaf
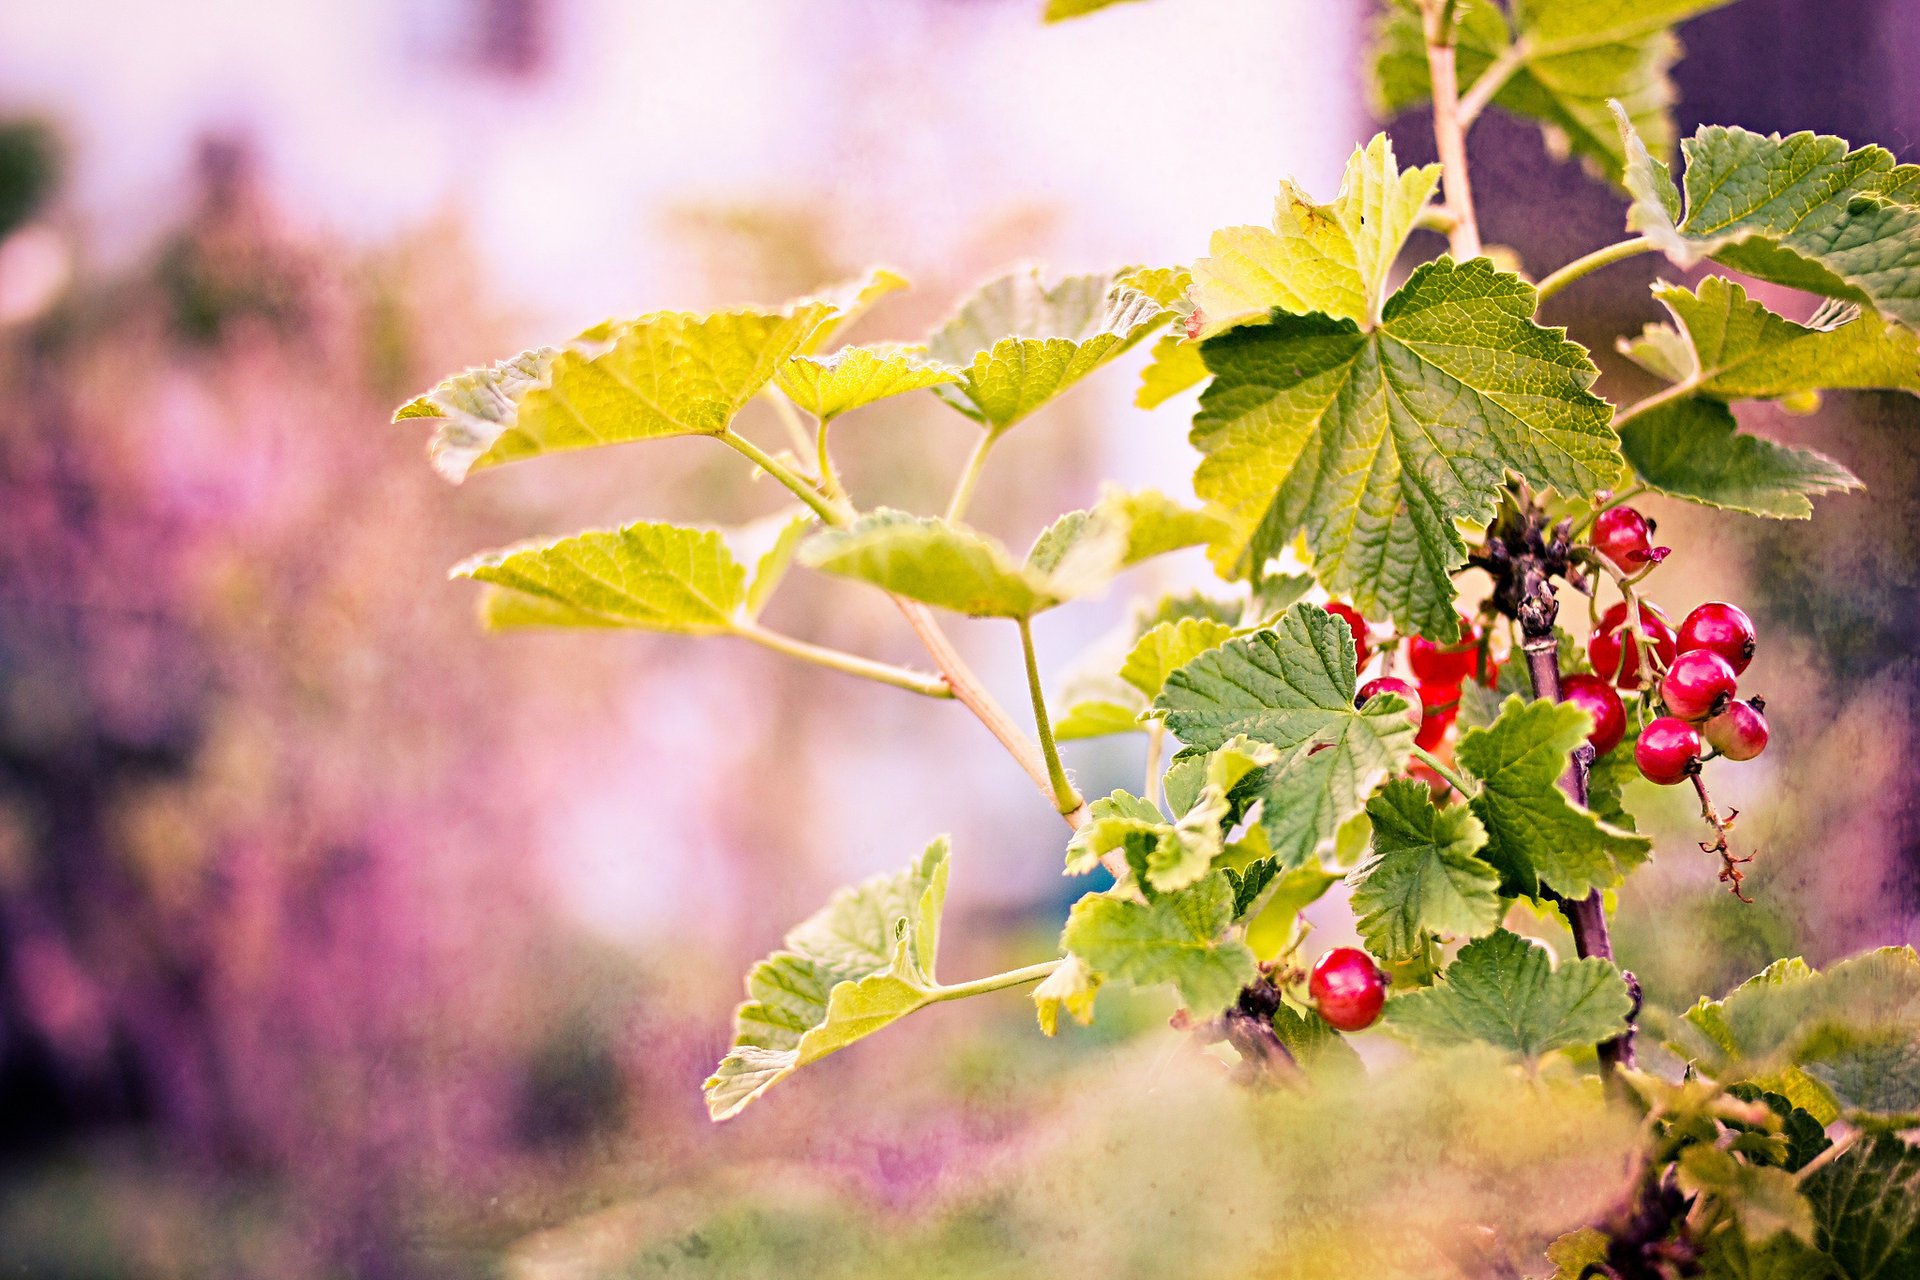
[659,577]
[1071,990]
[1167,647]
[1504,990]
[1425,878]
[853,377]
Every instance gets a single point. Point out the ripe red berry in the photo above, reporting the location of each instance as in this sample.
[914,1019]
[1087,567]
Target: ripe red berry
[1445,664]
[1616,656]
[1597,698]
[1625,537]
[1392,684]
[1698,685]
[1668,751]
[1356,624]
[1739,732]
[1348,988]
[1722,628]
[1439,706]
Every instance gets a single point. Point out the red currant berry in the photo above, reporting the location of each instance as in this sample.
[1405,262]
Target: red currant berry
[1446,664]
[1721,628]
[1348,988]
[1698,686]
[1356,624]
[1394,685]
[1597,698]
[1668,751]
[1625,537]
[1439,706]
[1616,656]
[1739,732]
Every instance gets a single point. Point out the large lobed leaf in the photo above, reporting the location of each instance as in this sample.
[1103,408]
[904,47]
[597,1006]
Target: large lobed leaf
[1693,448]
[1425,878]
[859,963]
[1292,687]
[1376,443]
[1503,989]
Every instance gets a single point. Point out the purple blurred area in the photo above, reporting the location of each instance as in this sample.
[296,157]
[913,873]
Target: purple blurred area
[340,939]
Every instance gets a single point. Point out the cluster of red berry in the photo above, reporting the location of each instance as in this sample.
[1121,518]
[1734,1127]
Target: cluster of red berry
[1440,670]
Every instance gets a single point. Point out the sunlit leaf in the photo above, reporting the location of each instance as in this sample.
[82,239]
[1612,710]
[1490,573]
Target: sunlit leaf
[1425,878]
[852,377]
[1504,990]
[1168,647]
[1071,990]
[1178,938]
[659,577]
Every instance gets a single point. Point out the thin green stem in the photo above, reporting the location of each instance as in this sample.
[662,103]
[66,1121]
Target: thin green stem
[995,982]
[976,462]
[1617,500]
[850,663]
[1456,780]
[1592,262]
[1065,798]
[829,480]
[822,507]
[789,416]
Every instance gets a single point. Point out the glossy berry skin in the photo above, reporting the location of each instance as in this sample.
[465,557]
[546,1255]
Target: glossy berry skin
[1597,698]
[1445,664]
[1720,628]
[1439,706]
[1356,624]
[1625,537]
[1668,751]
[1348,988]
[1392,684]
[1739,732]
[1698,685]
[1604,648]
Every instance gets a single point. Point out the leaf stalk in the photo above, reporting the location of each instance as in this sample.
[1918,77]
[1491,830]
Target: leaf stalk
[1065,798]
[1586,265]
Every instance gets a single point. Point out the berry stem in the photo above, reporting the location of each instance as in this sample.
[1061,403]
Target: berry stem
[1730,873]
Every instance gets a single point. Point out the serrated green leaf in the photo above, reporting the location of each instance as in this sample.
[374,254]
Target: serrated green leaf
[864,960]
[1019,342]
[1295,891]
[1803,211]
[1322,1052]
[658,577]
[1111,820]
[1574,56]
[1765,1201]
[1168,647]
[1692,448]
[1866,1208]
[1178,938]
[1071,990]
[853,377]
[1173,365]
[1504,990]
[664,374]
[1375,444]
[1535,835]
[1573,1254]
[1845,1040]
[1332,259]
[1292,687]
[1425,878]
[1082,550]
[1169,855]
[1097,718]
[1733,348]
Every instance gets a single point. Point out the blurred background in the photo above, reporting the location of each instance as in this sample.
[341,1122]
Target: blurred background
[338,939]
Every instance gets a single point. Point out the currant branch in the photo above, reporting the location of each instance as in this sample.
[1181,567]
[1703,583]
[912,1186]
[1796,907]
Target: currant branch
[1449,131]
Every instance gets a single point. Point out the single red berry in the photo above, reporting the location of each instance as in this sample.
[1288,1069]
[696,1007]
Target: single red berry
[1356,624]
[1722,628]
[1395,685]
[1739,732]
[1446,664]
[1597,698]
[1668,751]
[1616,656]
[1348,988]
[1625,537]
[1439,707]
[1698,686]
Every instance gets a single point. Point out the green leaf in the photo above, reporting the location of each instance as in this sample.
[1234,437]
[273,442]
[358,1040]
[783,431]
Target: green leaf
[1296,890]
[1173,365]
[1061,10]
[1802,211]
[1573,57]
[1692,448]
[1733,348]
[861,962]
[1111,821]
[1766,1202]
[1019,342]
[1169,855]
[1168,647]
[1535,835]
[1292,687]
[852,377]
[664,374]
[1332,259]
[1098,718]
[1321,1051]
[1071,990]
[1866,1208]
[1578,1254]
[1843,1041]
[1082,550]
[1425,878]
[1178,938]
[1376,444]
[1504,990]
[659,577]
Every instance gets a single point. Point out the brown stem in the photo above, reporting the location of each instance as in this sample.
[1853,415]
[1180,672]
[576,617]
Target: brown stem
[1248,1027]
[1449,134]
[1730,873]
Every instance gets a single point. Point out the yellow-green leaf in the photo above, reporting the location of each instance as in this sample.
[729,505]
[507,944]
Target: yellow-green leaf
[852,377]
[658,577]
